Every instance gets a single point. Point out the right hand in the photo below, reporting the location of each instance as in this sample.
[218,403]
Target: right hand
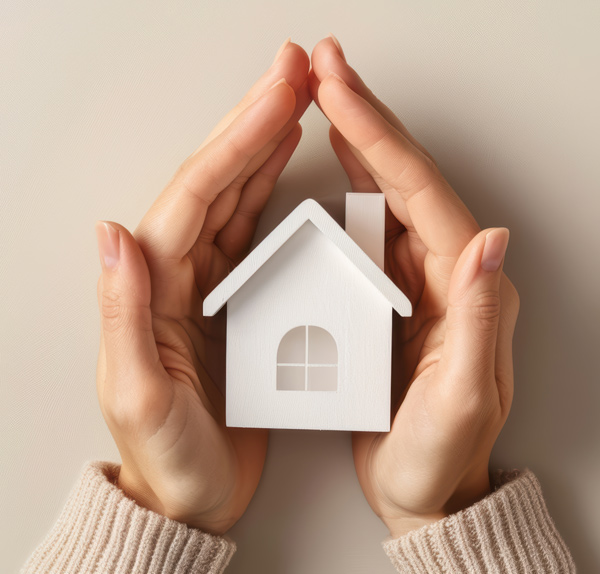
[161,363]
[453,390]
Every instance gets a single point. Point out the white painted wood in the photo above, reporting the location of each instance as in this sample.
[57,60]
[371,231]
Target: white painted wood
[307,281]
[309,272]
[308,210]
[365,223]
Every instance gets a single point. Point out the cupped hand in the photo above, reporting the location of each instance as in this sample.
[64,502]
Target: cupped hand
[161,363]
[453,388]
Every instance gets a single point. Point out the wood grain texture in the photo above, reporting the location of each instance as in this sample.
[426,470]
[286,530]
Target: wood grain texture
[309,271]
[307,282]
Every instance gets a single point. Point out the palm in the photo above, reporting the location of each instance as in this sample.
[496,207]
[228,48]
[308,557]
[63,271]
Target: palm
[417,346]
[404,473]
[191,351]
[433,459]
[424,276]
[416,336]
[191,346]
[194,234]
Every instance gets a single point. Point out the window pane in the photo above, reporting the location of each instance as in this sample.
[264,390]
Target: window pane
[321,347]
[290,378]
[292,348]
[322,378]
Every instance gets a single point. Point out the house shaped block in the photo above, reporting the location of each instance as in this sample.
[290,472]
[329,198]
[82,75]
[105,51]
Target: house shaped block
[309,323]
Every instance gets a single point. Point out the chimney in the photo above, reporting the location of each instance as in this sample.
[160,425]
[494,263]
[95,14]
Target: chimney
[365,223]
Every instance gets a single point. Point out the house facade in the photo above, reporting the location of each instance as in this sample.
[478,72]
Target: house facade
[309,330]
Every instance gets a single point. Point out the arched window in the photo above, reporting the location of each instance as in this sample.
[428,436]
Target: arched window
[307,360]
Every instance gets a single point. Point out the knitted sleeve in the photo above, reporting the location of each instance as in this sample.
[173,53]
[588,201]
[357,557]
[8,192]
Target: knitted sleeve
[508,531]
[101,530]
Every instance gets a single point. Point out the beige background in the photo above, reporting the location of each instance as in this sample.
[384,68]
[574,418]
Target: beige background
[99,101]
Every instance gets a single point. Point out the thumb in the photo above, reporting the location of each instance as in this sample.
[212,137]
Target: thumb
[124,301]
[473,313]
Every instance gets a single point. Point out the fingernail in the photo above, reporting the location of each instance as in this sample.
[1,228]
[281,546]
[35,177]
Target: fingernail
[108,244]
[281,49]
[494,249]
[338,46]
[281,81]
[334,75]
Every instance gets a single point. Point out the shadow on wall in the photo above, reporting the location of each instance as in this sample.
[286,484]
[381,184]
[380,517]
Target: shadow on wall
[323,181]
[309,492]
[553,425]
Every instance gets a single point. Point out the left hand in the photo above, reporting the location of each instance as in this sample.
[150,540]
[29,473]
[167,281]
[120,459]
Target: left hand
[454,389]
[161,362]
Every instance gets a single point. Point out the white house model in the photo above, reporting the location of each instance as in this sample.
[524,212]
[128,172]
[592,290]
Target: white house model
[309,323]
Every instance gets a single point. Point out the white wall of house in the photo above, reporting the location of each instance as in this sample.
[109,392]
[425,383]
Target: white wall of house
[309,282]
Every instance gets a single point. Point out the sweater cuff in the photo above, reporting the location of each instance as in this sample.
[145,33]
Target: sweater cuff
[510,530]
[101,530]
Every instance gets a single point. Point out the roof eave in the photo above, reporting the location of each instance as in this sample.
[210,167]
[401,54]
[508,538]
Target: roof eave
[308,210]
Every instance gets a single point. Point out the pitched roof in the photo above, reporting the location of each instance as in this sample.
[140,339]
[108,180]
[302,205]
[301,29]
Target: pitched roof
[308,210]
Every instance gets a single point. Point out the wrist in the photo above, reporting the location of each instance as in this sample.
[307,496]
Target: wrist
[138,491]
[469,492]
[215,521]
[403,525]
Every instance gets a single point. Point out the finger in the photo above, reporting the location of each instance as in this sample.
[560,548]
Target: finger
[173,223]
[235,238]
[362,176]
[327,57]
[440,218]
[221,210]
[360,179]
[291,62]
[504,347]
[473,314]
[133,370]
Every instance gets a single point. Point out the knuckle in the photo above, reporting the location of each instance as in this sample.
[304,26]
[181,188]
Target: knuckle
[381,138]
[119,313]
[235,148]
[485,309]
[199,178]
[111,309]
[185,184]
[481,312]
[239,181]
[419,175]
[249,215]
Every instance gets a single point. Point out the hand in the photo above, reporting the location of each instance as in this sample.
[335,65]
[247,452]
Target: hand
[161,363]
[455,387]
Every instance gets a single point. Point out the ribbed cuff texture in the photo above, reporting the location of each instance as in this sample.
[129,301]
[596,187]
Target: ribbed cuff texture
[508,532]
[100,530]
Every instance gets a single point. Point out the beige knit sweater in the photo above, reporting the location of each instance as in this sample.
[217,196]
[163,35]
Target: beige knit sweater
[101,530]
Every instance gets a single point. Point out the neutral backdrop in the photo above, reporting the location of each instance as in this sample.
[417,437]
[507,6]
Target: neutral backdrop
[100,101]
